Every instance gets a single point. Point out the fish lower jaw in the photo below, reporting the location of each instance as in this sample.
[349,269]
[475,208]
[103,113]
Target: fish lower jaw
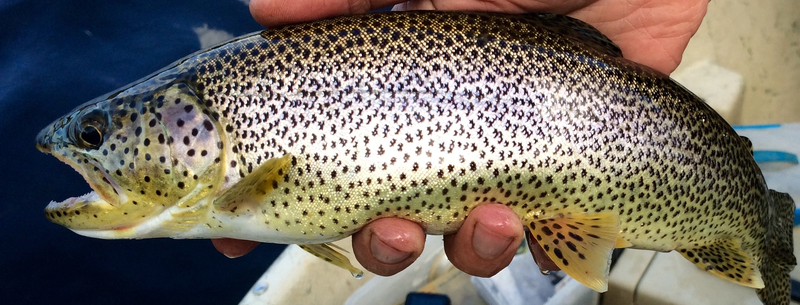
[150,228]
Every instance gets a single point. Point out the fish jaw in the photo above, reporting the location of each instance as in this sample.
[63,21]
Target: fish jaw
[105,208]
[60,212]
[98,209]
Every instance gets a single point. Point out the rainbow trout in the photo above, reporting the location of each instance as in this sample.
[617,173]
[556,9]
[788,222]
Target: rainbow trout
[304,133]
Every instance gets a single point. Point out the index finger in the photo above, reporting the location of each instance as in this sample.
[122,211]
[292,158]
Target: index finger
[272,13]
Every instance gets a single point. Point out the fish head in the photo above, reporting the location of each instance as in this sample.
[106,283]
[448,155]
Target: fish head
[143,152]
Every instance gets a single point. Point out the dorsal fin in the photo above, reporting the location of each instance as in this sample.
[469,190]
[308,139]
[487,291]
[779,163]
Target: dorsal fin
[578,30]
[748,143]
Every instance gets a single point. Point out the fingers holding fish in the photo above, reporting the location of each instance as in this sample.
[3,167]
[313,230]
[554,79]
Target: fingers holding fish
[233,248]
[653,33]
[506,6]
[486,242]
[272,13]
[388,245]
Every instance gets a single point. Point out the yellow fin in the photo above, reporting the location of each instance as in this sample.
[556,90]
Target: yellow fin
[726,260]
[621,243]
[329,254]
[187,212]
[254,187]
[581,245]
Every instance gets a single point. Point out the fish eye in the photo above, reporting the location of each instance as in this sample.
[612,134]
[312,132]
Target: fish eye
[89,133]
[91,136]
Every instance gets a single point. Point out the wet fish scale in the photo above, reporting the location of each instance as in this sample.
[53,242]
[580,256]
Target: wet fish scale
[393,123]
[304,133]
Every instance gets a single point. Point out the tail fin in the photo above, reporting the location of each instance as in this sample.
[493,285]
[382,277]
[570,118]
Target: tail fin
[778,259]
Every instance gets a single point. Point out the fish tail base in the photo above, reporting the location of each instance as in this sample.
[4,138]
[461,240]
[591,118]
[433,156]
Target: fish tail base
[778,258]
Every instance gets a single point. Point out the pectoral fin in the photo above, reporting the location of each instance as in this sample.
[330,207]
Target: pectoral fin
[254,187]
[581,245]
[726,260]
[329,254]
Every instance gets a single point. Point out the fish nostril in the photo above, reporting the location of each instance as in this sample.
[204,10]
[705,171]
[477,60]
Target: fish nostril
[42,145]
[43,140]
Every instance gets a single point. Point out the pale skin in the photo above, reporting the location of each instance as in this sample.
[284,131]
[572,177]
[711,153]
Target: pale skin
[651,32]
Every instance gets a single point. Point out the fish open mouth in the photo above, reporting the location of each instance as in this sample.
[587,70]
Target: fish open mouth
[109,195]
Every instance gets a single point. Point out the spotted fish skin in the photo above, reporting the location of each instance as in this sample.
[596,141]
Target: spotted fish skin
[304,133]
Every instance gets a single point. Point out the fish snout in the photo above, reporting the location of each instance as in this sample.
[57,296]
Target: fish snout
[54,135]
[43,139]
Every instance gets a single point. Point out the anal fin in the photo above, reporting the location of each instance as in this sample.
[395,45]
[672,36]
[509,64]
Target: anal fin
[329,254]
[726,260]
[254,187]
[581,245]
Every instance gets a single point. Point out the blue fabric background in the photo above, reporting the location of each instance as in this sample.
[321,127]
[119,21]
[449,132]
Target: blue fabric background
[55,55]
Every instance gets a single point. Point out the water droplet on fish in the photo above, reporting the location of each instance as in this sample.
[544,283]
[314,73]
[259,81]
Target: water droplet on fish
[259,289]
[544,272]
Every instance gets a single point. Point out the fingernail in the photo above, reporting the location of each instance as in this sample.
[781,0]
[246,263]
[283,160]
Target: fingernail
[488,244]
[385,253]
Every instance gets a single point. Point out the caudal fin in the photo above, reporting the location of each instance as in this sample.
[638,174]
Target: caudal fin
[779,258]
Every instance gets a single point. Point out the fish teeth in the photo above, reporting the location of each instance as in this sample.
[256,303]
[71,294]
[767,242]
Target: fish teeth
[90,196]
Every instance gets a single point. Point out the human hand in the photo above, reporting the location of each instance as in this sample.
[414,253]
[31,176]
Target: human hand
[653,33]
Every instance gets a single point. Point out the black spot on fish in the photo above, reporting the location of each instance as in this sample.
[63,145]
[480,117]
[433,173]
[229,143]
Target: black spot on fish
[575,236]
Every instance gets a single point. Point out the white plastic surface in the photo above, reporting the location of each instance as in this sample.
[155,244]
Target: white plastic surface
[412,278]
[573,293]
[719,87]
[297,277]
[519,283]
